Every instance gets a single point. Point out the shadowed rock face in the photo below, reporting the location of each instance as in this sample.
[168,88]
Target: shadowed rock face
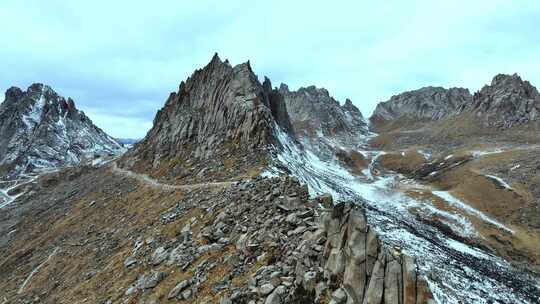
[507,102]
[39,128]
[314,114]
[220,110]
[429,103]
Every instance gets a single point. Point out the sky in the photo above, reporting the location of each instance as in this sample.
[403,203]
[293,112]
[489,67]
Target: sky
[119,60]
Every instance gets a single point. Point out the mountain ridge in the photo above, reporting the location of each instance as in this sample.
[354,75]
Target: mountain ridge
[506,102]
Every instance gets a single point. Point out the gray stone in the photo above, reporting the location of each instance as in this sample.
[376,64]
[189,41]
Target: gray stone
[152,280]
[277,296]
[266,289]
[160,255]
[178,288]
[130,261]
[338,296]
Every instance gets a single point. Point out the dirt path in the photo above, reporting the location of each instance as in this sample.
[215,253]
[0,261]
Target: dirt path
[145,179]
[21,288]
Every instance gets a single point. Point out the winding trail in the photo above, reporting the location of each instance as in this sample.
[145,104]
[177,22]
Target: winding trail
[145,179]
[23,285]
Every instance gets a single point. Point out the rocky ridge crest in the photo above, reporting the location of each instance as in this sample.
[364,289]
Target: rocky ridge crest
[508,101]
[315,115]
[429,103]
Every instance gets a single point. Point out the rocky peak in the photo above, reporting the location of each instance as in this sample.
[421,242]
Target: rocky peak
[507,102]
[41,129]
[428,103]
[316,115]
[350,106]
[220,114]
[13,93]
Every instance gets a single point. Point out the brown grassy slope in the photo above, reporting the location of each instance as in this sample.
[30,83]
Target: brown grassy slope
[94,232]
[402,162]
[519,209]
[455,132]
[228,162]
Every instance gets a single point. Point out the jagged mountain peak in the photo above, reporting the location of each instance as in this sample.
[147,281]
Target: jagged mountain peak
[509,101]
[317,116]
[221,113]
[41,129]
[513,83]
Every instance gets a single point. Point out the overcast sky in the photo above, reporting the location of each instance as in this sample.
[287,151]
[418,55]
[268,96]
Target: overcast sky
[119,60]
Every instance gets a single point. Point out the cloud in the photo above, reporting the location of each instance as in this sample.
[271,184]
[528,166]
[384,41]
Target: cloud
[120,59]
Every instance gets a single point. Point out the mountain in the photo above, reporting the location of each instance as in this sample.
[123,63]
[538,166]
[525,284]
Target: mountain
[315,115]
[220,115]
[41,129]
[509,101]
[429,103]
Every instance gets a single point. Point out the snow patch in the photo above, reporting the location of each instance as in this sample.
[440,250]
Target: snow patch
[452,200]
[499,181]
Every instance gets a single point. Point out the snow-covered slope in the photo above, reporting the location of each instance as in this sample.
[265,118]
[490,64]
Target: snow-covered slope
[457,271]
[40,129]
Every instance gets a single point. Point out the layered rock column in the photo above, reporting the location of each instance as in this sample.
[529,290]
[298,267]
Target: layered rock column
[368,272]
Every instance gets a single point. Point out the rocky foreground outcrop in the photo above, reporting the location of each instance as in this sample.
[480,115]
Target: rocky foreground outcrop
[274,246]
[41,129]
[107,238]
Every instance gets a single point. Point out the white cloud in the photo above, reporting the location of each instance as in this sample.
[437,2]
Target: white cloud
[129,55]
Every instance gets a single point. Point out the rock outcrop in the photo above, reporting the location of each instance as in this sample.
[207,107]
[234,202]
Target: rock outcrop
[363,267]
[221,114]
[41,129]
[509,101]
[317,116]
[429,103]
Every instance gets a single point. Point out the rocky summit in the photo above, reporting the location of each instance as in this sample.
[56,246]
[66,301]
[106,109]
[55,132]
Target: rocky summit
[41,129]
[509,101]
[429,103]
[220,115]
[315,115]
